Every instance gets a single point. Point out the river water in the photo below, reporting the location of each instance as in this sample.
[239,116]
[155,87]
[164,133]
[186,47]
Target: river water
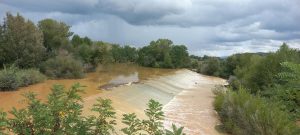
[186,95]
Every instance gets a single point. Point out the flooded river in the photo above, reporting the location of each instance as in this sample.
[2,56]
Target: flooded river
[186,95]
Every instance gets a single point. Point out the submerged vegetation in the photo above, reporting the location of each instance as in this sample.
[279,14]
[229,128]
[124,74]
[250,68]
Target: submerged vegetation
[62,114]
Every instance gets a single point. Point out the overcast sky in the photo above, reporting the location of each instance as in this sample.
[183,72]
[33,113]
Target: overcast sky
[211,27]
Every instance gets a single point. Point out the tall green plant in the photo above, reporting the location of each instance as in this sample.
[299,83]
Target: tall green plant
[152,126]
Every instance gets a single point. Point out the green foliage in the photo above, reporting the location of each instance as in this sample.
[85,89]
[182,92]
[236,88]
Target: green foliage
[152,126]
[210,66]
[156,115]
[104,55]
[56,34]
[134,125]
[59,115]
[77,41]
[105,122]
[62,114]
[287,91]
[3,122]
[30,76]
[123,54]
[62,67]
[179,56]
[21,43]
[90,55]
[12,78]
[8,79]
[259,75]
[162,53]
[175,131]
[243,113]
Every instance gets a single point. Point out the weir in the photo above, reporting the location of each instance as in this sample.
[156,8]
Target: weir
[186,95]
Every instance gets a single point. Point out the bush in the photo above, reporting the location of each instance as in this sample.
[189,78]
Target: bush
[8,79]
[245,114]
[12,78]
[62,67]
[30,76]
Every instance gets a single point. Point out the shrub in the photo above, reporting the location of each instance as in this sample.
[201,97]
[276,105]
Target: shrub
[12,78]
[62,67]
[8,79]
[245,114]
[30,76]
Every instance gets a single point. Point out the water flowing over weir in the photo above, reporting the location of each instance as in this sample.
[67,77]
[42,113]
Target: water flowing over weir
[186,95]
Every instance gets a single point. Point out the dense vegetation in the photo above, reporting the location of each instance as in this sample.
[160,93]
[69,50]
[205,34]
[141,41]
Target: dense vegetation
[53,49]
[12,77]
[246,114]
[62,114]
[269,82]
[162,53]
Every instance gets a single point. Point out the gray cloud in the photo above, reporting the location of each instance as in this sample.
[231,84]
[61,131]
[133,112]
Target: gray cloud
[213,27]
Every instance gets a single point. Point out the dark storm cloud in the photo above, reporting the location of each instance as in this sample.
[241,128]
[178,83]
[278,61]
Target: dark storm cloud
[215,27]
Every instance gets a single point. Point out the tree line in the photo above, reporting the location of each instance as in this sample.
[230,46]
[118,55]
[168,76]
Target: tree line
[51,48]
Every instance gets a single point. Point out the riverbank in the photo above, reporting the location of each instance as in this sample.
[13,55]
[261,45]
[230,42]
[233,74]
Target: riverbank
[186,95]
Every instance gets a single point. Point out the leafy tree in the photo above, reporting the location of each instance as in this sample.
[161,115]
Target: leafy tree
[124,54]
[87,41]
[77,41]
[210,66]
[146,57]
[179,56]
[56,34]
[287,91]
[162,53]
[262,74]
[103,53]
[21,42]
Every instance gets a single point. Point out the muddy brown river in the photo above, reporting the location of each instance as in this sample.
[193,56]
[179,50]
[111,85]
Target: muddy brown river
[186,95]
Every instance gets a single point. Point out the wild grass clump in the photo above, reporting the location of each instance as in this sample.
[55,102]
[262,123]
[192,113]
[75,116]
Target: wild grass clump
[65,67]
[245,114]
[12,78]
